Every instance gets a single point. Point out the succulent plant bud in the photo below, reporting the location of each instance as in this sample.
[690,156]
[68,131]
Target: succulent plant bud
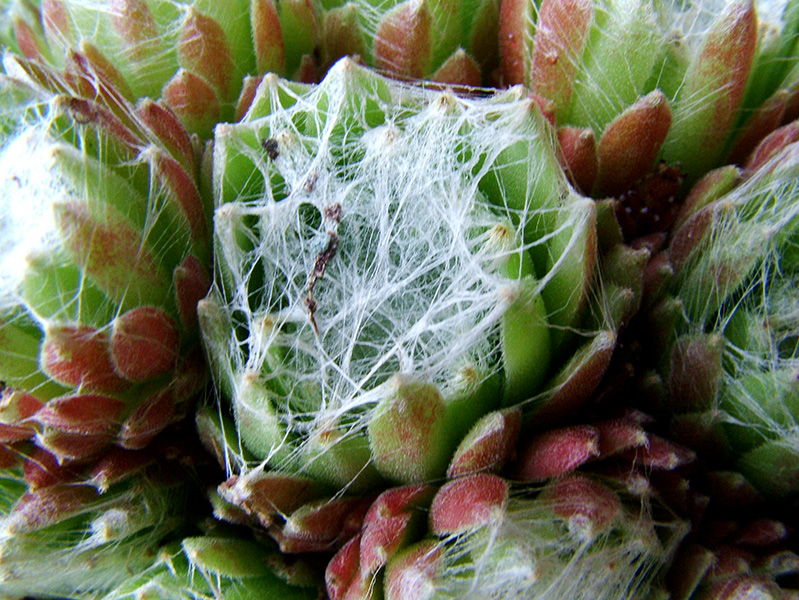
[395,330]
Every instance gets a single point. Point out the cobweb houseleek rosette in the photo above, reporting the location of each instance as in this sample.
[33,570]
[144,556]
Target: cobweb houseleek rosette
[695,84]
[392,263]
[731,363]
[104,248]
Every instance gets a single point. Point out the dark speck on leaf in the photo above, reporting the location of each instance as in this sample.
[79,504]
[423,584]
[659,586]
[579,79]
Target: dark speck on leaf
[270,147]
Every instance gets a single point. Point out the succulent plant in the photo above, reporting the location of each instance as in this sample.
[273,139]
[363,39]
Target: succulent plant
[366,312]
[737,548]
[628,83]
[105,253]
[514,517]
[412,305]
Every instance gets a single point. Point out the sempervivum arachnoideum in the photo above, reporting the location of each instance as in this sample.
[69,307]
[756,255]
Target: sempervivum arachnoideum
[367,312]
[482,537]
[105,247]
[693,83]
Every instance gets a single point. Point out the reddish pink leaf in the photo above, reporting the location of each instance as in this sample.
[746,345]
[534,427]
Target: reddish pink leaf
[688,570]
[203,48]
[190,378]
[79,356]
[184,195]
[488,445]
[696,372]
[742,587]
[16,407]
[660,454]
[403,41]
[112,253]
[556,452]
[381,539]
[307,71]
[579,157]
[766,118]
[341,35]
[586,503]
[631,142]
[135,24]
[763,532]
[117,465]
[410,575]
[658,274]
[771,145]
[267,37]
[91,75]
[712,186]
[395,501]
[460,69]
[293,545]
[56,21]
[468,503]
[89,111]
[731,491]
[191,285]
[148,419]
[729,562]
[690,236]
[618,435]
[560,36]
[514,38]
[248,90]
[342,569]
[82,413]
[168,129]
[268,494]
[579,379]
[193,100]
[319,520]
[110,81]
[48,506]
[145,343]
[9,457]
[42,469]
[29,42]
